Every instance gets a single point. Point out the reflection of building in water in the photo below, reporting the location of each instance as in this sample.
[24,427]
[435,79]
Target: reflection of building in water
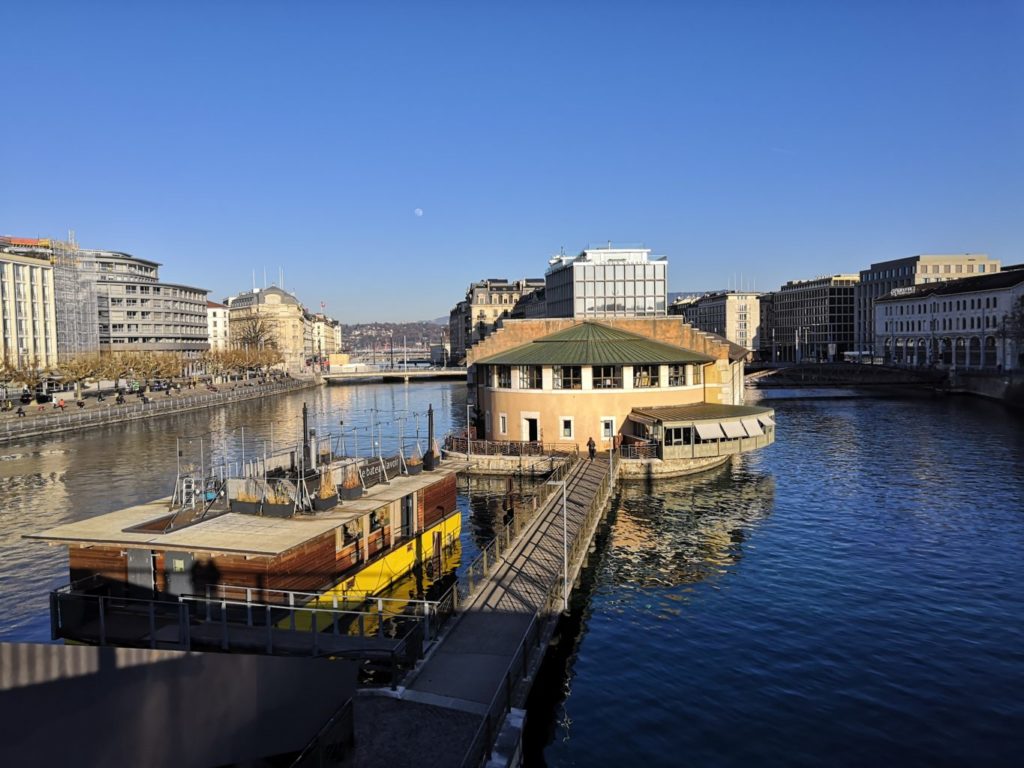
[694,526]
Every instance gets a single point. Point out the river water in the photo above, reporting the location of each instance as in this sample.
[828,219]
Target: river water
[848,596]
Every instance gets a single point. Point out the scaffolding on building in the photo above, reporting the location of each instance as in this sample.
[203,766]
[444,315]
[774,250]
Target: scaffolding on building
[74,293]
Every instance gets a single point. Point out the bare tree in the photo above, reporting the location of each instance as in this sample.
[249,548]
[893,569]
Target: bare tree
[256,332]
[80,369]
[31,373]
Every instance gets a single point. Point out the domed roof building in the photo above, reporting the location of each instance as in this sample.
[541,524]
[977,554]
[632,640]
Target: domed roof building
[657,387]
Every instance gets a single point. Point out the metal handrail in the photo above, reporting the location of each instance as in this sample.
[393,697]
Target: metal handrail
[492,552]
[457,444]
[501,702]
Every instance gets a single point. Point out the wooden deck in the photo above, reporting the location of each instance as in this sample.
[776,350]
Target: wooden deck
[230,532]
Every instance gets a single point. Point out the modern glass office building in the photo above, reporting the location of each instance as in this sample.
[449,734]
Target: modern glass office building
[607,282]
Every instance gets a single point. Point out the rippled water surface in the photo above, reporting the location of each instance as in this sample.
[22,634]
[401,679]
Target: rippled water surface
[76,476]
[849,596]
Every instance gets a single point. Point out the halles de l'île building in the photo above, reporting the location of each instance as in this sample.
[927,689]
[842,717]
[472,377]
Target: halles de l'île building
[668,392]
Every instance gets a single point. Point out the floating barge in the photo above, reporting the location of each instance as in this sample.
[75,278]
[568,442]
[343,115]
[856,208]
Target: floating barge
[198,569]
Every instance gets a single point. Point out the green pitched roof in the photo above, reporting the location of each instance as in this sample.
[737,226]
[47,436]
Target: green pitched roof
[595,344]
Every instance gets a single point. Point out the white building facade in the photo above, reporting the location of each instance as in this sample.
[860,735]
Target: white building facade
[960,323]
[217,326]
[736,315]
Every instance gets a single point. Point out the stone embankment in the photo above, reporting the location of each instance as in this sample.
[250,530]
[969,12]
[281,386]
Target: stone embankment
[47,419]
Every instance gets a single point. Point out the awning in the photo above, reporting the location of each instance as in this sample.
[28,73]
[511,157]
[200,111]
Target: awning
[733,429]
[709,430]
[642,419]
[766,420]
[752,427]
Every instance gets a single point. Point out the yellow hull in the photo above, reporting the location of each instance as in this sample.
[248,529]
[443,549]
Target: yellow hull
[378,576]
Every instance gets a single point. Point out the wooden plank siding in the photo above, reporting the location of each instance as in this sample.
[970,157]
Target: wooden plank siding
[107,562]
[438,501]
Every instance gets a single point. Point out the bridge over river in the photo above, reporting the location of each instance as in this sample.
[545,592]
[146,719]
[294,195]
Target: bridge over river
[394,375]
[452,708]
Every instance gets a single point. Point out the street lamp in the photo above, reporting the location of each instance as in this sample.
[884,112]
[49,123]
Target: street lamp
[565,547]
[469,445]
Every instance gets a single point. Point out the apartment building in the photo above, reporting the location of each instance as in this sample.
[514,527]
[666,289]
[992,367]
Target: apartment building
[28,324]
[486,303]
[735,315]
[217,326]
[270,317]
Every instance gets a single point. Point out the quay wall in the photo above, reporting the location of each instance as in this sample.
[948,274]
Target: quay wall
[13,428]
[1007,387]
[500,466]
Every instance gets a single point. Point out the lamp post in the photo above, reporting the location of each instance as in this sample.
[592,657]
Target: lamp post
[469,445]
[565,546]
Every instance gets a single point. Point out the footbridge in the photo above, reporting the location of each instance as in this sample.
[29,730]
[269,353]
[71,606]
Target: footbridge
[394,375]
[462,705]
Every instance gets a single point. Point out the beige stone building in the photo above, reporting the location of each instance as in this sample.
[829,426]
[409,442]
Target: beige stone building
[28,326]
[736,315]
[566,380]
[270,316]
[487,302]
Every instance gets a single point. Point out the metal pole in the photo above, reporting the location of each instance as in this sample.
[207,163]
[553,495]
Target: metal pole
[469,449]
[565,554]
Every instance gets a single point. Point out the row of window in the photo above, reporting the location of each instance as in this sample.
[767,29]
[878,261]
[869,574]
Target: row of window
[603,376]
[970,323]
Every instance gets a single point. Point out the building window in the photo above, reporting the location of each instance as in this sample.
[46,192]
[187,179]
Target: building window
[530,377]
[645,376]
[607,377]
[677,375]
[567,428]
[503,424]
[607,429]
[567,377]
[504,376]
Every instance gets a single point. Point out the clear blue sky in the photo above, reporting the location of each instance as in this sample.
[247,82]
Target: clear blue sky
[774,140]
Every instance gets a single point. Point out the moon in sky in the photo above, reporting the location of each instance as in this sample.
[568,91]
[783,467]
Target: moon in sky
[418,211]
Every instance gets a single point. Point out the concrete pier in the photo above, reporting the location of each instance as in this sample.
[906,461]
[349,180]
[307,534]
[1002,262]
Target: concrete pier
[454,704]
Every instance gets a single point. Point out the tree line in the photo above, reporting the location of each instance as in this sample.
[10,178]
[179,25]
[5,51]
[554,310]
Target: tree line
[143,367]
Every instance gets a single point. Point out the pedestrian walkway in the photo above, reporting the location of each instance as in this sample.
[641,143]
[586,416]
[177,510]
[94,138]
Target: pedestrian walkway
[488,657]
[46,419]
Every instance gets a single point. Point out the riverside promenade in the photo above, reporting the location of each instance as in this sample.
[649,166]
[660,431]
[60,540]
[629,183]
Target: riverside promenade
[451,709]
[47,420]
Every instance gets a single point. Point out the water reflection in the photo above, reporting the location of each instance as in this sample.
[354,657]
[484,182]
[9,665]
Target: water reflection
[44,483]
[694,527]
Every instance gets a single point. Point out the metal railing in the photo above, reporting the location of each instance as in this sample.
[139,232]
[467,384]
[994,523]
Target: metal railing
[457,444]
[491,553]
[644,450]
[333,743]
[13,427]
[501,703]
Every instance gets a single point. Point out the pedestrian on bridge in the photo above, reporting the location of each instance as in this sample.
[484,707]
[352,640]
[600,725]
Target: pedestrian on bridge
[591,448]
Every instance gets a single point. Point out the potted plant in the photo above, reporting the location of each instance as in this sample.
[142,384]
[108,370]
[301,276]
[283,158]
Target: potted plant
[351,487]
[327,494]
[278,504]
[414,464]
[245,503]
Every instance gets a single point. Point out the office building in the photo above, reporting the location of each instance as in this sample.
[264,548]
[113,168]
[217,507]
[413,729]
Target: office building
[607,282]
[812,319]
[882,277]
[28,316]
[957,323]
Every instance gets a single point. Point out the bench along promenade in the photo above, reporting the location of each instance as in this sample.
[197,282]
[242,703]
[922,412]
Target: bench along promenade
[48,420]
[452,708]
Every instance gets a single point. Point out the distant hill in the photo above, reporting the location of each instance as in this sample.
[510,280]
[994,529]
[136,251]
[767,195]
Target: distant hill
[366,336]
[440,321]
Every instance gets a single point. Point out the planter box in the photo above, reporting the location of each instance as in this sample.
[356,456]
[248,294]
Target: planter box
[322,505]
[350,494]
[414,469]
[278,510]
[244,507]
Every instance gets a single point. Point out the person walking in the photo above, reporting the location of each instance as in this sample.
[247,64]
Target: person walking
[591,448]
